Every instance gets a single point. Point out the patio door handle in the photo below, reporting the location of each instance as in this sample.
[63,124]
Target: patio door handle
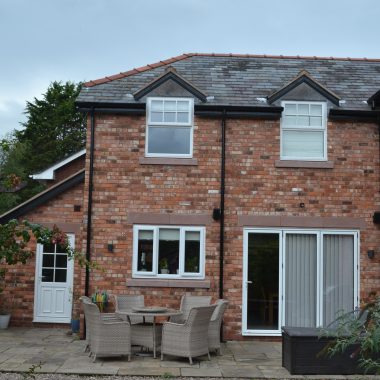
[248,282]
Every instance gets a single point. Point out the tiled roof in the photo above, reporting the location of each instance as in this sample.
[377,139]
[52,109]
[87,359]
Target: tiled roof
[234,79]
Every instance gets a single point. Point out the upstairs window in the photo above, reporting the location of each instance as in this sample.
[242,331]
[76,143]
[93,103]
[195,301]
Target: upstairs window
[169,127]
[303,131]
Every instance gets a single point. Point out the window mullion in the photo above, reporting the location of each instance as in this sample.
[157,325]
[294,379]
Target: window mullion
[182,251]
[319,308]
[155,249]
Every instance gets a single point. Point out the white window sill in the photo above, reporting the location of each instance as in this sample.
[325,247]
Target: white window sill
[168,161]
[304,164]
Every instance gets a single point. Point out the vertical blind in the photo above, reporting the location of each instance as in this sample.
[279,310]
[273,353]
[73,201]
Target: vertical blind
[338,279]
[300,280]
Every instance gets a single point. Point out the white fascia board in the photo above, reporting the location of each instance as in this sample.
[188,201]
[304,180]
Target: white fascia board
[49,172]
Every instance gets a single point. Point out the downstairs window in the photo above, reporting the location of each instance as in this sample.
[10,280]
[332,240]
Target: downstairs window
[168,252]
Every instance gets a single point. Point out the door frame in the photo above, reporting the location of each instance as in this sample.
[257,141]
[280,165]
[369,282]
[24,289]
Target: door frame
[37,283]
[245,330]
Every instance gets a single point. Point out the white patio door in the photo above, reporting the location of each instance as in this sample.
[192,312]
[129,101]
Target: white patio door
[297,277]
[53,284]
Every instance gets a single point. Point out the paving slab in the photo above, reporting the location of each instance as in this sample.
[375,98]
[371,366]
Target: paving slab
[59,353]
[201,372]
[241,371]
[147,371]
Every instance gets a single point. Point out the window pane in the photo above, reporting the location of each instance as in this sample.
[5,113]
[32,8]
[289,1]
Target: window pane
[157,105]
[316,121]
[171,140]
[183,105]
[47,275]
[168,251]
[303,144]
[48,261]
[300,280]
[61,248]
[303,121]
[169,117]
[170,105]
[157,117]
[316,109]
[192,251]
[290,109]
[183,117]
[303,109]
[61,261]
[290,120]
[60,275]
[338,276]
[50,248]
[145,251]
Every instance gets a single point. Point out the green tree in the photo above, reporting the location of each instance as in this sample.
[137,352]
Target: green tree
[54,128]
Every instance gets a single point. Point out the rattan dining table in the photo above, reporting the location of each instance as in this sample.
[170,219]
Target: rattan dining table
[150,312]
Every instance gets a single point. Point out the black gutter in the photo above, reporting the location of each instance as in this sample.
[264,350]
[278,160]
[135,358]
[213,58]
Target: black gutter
[354,115]
[222,192]
[238,112]
[202,110]
[89,208]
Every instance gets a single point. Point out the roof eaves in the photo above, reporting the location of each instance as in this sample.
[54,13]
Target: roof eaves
[43,197]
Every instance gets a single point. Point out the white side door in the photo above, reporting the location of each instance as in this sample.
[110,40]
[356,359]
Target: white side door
[53,284]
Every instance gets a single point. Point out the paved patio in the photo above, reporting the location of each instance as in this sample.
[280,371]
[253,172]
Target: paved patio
[57,352]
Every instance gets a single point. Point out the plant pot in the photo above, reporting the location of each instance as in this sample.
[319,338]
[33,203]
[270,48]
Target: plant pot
[75,324]
[4,320]
[164,271]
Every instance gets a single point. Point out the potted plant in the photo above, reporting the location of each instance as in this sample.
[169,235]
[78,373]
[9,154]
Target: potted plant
[100,298]
[164,266]
[5,315]
[192,264]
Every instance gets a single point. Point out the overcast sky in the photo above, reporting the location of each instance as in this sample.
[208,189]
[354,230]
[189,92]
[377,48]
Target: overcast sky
[77,40]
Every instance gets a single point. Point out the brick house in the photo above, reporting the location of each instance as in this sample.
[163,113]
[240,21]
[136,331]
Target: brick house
[252,178]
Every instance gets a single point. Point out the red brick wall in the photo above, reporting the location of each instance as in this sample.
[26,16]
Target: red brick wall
[253,186]
[20,278]
[122,185]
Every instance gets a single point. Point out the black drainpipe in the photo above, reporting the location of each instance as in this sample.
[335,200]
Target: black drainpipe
[222,191]
[89,208]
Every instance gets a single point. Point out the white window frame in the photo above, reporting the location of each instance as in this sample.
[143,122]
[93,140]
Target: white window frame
[282,246]
[181,270]
[150,124]
[322,128]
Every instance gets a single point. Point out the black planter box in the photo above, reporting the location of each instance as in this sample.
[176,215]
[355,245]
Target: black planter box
[300,349]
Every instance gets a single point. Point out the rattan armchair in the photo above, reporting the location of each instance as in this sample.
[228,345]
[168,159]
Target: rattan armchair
[215,324]
[187,303]
[126,303]
[189,339]
[107,337]
[103,316]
